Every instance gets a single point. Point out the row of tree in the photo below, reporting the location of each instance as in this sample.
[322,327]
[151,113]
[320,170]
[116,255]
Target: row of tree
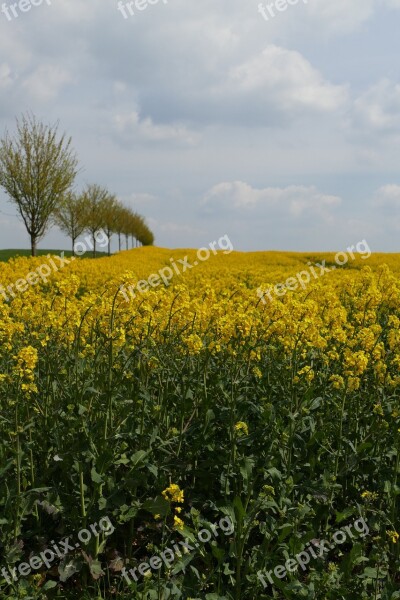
[96,209]
[38,170]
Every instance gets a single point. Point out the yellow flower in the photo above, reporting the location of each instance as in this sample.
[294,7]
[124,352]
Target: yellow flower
[178,509]
[178,523]
[26,360]
[369,496]
[242,428]
[394,535]
[378,410]
[194,343]
[308,372]
[173,493]
[157,517]
[337,382]
[257,372]
[353,384]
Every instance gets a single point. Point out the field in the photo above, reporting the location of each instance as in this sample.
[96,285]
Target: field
[13,253]
[216,436]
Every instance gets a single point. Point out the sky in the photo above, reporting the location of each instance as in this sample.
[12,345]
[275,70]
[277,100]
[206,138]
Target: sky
[275,123]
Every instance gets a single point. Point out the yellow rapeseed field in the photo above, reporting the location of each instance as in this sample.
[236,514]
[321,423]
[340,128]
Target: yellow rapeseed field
[214,303]
[281,413]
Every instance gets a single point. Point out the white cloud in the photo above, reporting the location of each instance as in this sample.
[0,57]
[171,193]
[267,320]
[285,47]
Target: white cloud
[172,227]
[378,109]
[5,76]
[388,196]
[392,3]
[295,201]
[140,198]
[285,79]
[131,124]
[340,16]
[386,207]
[45,83]
[75,12]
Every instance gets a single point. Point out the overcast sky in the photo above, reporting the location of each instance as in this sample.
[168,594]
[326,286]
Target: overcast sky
[209,119]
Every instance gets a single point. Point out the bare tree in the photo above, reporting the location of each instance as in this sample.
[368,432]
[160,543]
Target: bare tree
[37,168]
[70,218]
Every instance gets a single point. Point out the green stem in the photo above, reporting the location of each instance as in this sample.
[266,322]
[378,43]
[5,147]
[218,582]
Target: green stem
[82,495]
[18,467]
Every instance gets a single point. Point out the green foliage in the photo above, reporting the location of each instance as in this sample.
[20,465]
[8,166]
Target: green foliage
[37,168]
[111,435]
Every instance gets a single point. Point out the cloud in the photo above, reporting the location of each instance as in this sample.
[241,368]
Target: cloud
[141,198]
[388,196]
[377,110]
[268,89]
[293,201]
[340,16]
[6,79]
[73,11]
[130,125]
[173,228]
[45,83]
[187,95]
[392,3]
[385,206]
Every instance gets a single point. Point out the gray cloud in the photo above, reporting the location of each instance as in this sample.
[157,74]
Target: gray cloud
[203,116]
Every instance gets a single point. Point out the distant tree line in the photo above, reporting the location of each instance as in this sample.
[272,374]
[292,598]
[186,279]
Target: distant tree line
[37,171]
[94,209]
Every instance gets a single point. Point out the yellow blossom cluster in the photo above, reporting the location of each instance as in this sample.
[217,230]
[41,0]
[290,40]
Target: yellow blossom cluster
[173,493]
[348,320]
[242,428]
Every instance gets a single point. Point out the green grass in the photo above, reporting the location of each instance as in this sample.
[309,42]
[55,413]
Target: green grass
[5,255]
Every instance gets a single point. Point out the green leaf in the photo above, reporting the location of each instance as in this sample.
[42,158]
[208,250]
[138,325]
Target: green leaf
[96,477]
[239,509]
[345,514]
[373,573]
[158,506]
[49,585]
[95,569]
[246,468]
[67,568]
[138,457]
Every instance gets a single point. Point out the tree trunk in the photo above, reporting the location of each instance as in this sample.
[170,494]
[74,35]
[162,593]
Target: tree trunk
[119,241]
[126,241]
[94,246]
[33,244]
[73,246]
